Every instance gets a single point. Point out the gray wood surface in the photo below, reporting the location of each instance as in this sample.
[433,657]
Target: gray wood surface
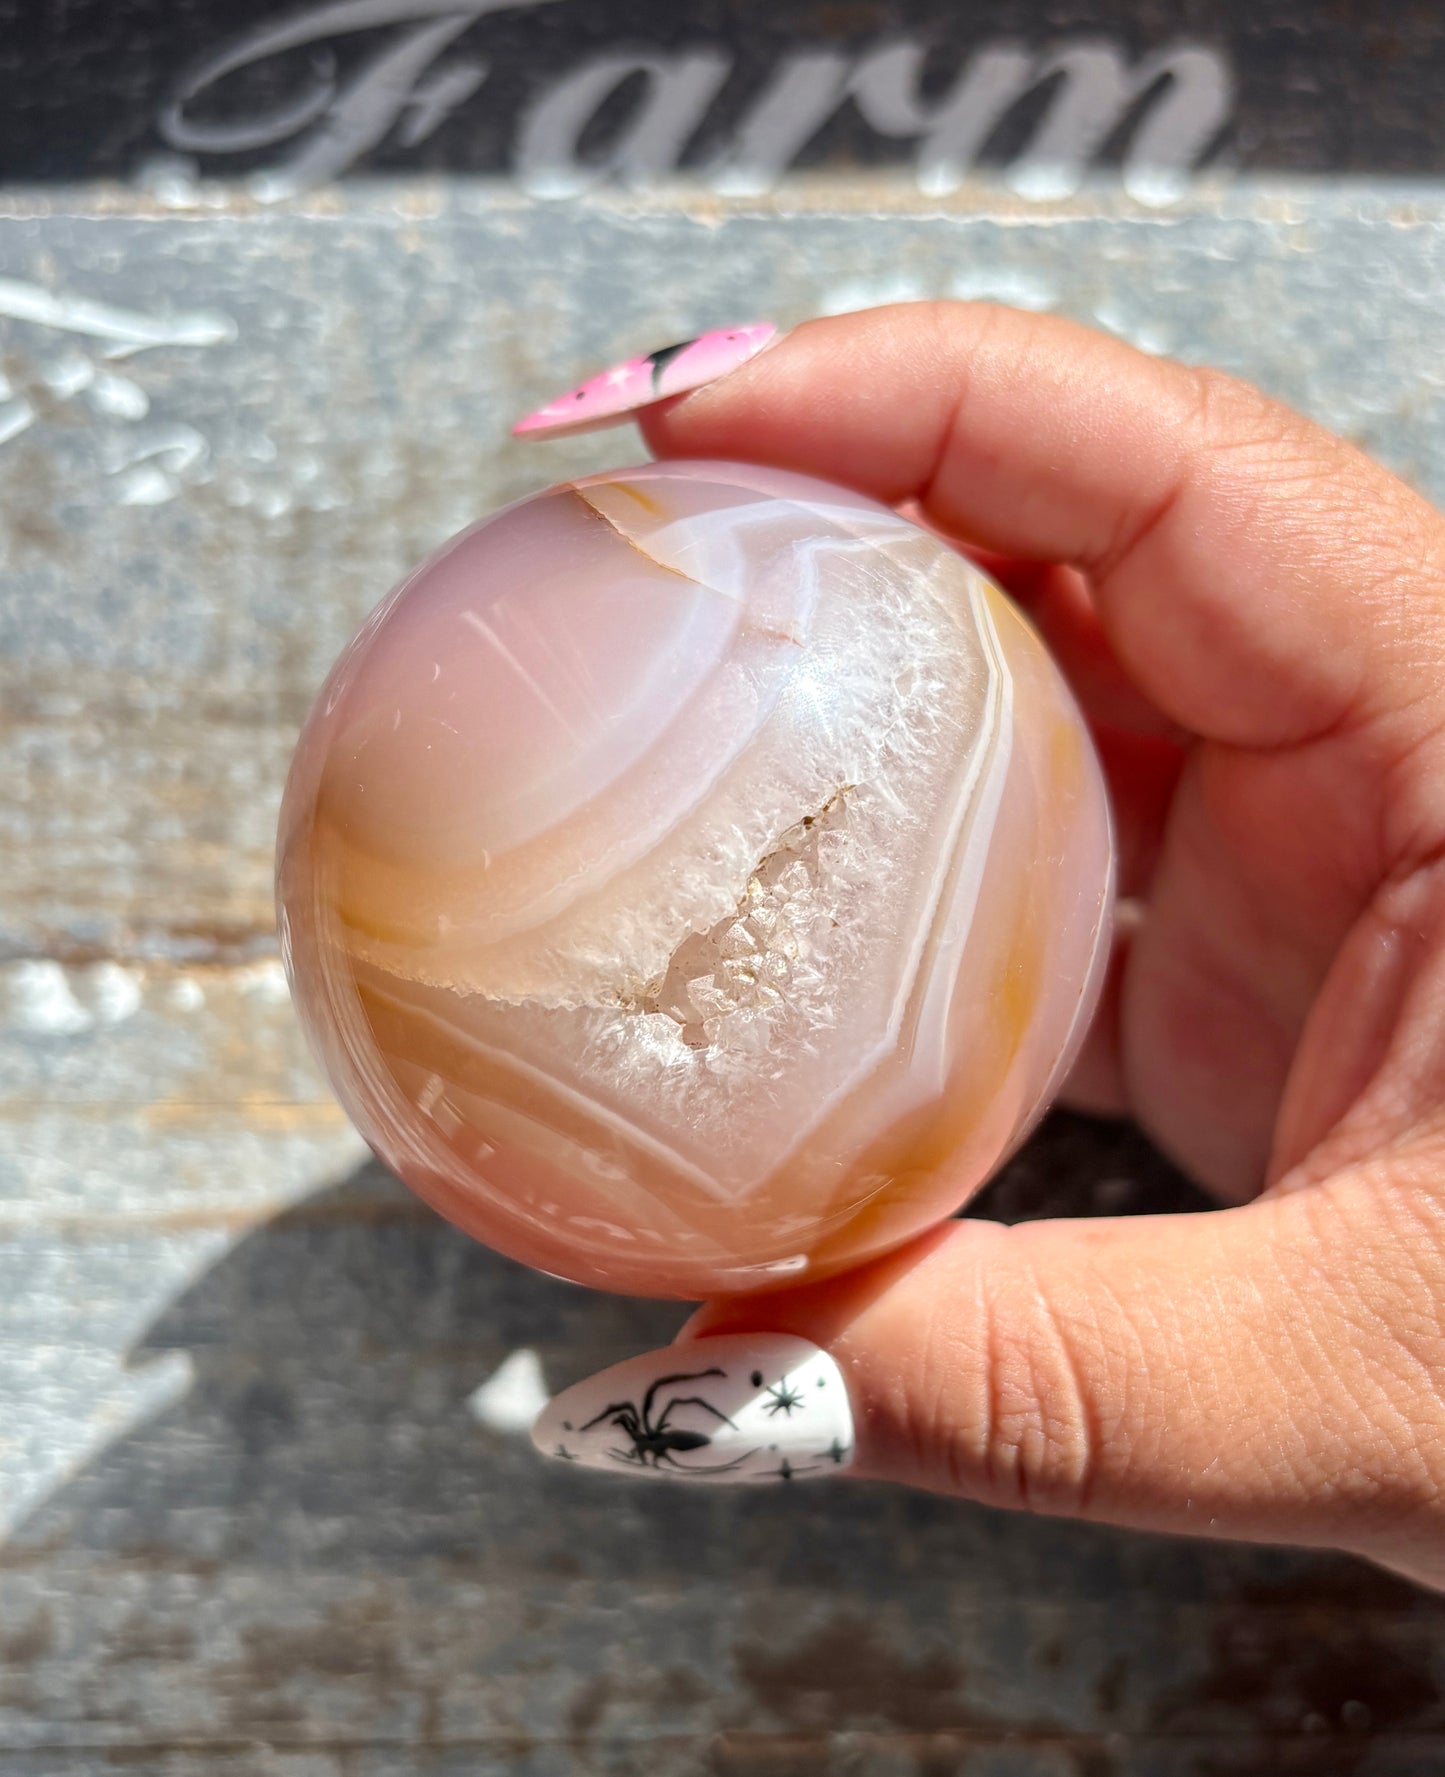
[248,1524]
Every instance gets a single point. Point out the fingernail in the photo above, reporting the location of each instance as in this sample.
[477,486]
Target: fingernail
[739,1408]
[637,382]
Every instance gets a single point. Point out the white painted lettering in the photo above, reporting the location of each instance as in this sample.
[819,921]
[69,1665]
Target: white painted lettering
[1098,89]
[1094,89]
[802,95]
[1176,101]
[677,92]
[954,129]
[351,119]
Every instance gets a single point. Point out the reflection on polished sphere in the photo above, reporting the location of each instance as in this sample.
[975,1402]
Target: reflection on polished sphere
[695,879]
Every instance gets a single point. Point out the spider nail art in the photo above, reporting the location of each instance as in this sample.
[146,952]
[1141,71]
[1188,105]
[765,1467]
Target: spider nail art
[742,1407]
[612,396]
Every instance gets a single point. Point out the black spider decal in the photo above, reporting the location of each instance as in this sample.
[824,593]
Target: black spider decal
[654,1442]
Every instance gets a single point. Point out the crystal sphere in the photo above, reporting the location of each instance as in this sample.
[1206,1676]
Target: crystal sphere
[695,879]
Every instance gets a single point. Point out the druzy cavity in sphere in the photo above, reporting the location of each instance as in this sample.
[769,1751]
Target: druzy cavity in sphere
[695,879]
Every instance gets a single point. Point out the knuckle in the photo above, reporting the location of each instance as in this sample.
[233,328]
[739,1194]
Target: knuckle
[1241,431]
[1355,522]
[1232,438]
[1032,1438]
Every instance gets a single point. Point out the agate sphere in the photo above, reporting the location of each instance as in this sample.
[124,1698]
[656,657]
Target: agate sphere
[695,879]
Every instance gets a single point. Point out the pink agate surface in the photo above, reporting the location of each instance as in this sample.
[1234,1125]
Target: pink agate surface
[695,879]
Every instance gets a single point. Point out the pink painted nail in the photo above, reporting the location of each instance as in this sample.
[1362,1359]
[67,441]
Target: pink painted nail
[609,398]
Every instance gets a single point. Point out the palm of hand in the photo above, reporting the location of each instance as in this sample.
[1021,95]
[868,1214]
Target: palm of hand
[1278,910]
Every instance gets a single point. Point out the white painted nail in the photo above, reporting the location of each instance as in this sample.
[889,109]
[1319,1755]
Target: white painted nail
[738,1408]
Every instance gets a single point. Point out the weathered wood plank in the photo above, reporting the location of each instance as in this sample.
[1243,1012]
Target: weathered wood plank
[156,659]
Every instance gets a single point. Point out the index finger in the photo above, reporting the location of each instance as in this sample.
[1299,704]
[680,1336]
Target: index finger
[1259,578]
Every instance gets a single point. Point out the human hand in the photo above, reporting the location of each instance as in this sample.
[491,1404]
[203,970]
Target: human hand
[1252,614]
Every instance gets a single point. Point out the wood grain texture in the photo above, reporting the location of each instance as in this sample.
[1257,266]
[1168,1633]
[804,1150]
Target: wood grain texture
[250,1526]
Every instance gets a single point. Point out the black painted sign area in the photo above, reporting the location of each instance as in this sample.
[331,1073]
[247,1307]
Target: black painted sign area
[562,93]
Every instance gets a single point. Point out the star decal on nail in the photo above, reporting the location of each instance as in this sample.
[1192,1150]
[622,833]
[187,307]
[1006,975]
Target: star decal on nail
[782,1399]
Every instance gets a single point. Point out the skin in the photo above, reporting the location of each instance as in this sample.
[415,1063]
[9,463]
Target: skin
[1253,614]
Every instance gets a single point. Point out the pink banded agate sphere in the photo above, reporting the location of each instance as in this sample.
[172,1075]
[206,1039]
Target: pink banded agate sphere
[695,879]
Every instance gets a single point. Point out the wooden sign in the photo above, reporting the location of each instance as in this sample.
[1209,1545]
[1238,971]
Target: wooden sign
[559,94]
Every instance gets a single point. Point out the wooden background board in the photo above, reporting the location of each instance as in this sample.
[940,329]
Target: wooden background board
[248,1525]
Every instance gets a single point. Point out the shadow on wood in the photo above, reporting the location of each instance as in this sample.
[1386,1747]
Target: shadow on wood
[318,1555]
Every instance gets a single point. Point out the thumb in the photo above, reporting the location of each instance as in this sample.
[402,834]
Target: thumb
[1231,1373]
